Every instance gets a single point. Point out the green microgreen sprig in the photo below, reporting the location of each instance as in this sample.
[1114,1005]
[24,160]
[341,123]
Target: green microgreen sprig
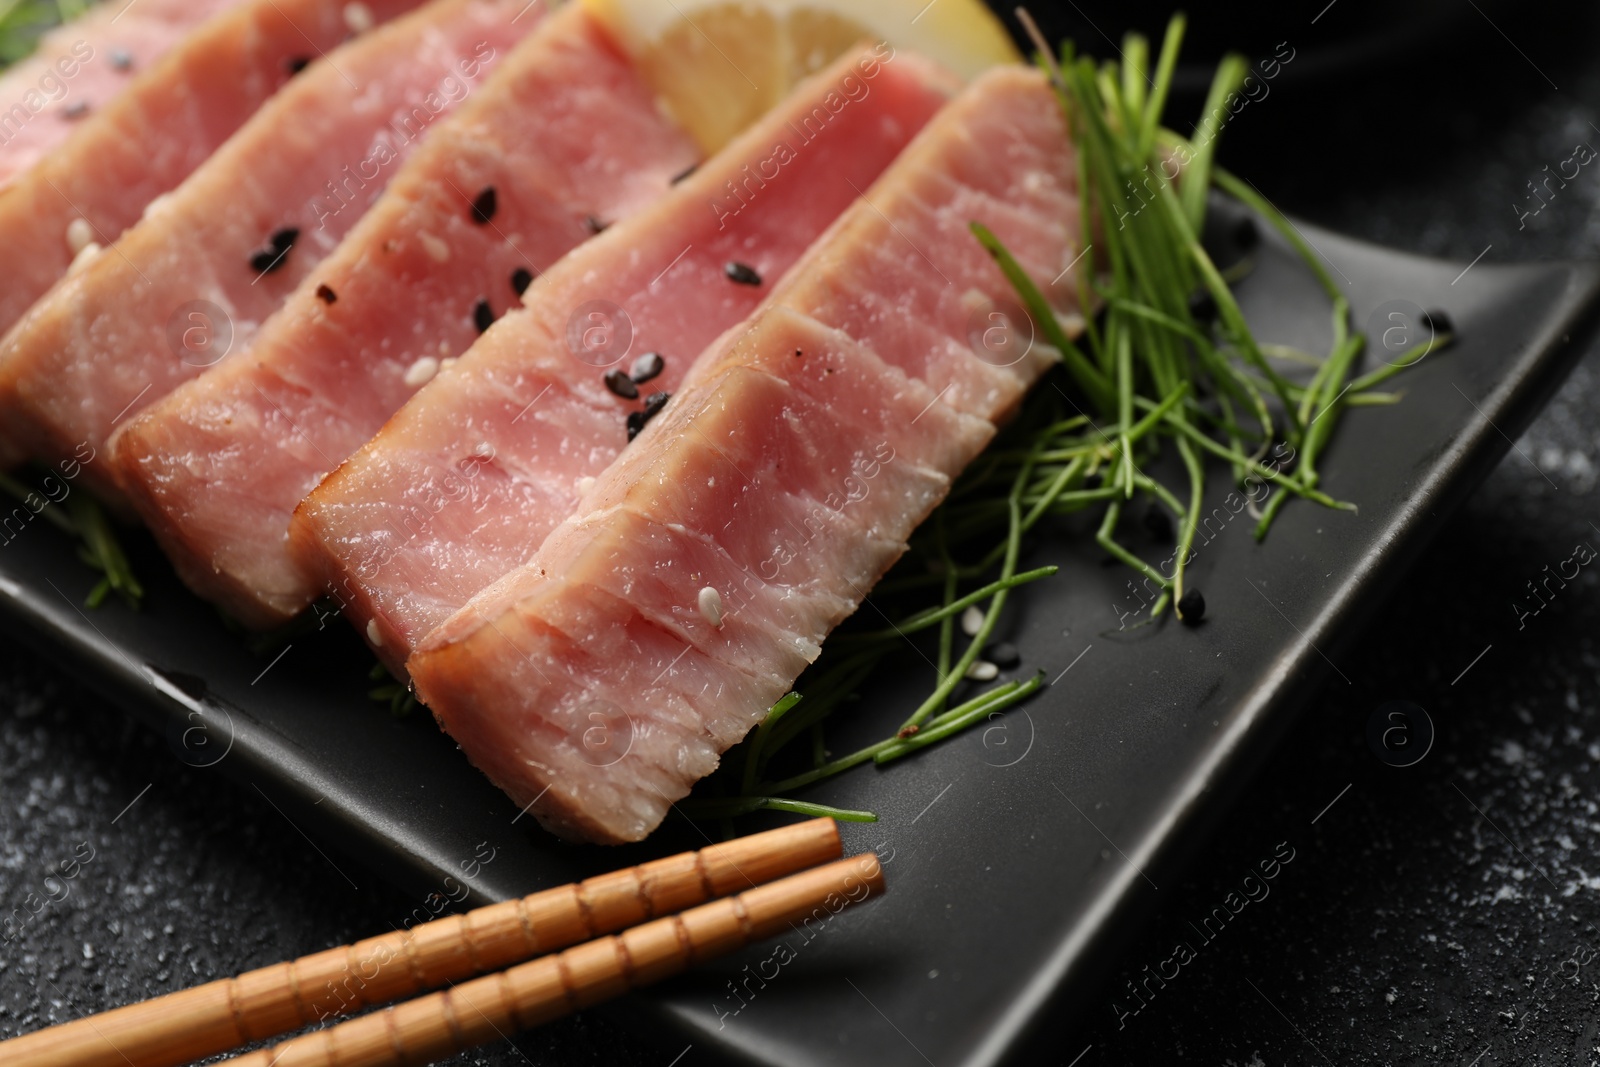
[23,21]
[80,517]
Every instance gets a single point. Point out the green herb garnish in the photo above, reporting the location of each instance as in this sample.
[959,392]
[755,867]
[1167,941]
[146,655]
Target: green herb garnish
[81,517]
[1149,372]
[23,21]
[392,691]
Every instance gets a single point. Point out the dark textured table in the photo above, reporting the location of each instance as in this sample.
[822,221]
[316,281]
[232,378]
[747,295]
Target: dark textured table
[1443,912]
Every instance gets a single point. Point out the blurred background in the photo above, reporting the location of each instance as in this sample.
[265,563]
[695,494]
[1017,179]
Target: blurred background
[1443,913]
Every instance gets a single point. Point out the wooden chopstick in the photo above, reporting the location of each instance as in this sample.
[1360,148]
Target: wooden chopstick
[498,1005]
[231,1012]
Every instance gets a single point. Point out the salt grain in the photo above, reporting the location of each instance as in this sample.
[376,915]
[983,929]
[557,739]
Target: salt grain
[421,372]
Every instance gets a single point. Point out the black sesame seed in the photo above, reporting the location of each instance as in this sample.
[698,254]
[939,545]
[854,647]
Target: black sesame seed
[75,111]
[295,64]
[1438,322]
[1158,522]
[121,59]
[684,173]
[271,258]
[1202,305]
[741,273]
[621,384]
[482,315]
[652,407]
[484,207]
[1192,607]
[1003,655]
[646,367]
[594,224]
[521,278]
[326,294]
[798,353]
[1245,234]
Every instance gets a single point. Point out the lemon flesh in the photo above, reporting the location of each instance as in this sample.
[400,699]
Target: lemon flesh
[718,65]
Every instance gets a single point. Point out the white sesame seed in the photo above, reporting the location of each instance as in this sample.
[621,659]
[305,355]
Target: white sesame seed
[972,621]
[156,206]
[437,250]
[444,348]
[373,634]
[982,671]
[447,362]
[421,372]
[585,484]
[80,235]
[358,17]
[84,257]
[711,606]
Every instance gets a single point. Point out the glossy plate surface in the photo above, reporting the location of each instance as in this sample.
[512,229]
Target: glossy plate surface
[1019,854]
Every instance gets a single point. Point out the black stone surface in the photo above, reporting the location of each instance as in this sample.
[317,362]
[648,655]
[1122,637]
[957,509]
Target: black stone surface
[1447,912]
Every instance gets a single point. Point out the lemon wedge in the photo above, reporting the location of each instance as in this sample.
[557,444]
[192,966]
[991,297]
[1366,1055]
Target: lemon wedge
[718,65]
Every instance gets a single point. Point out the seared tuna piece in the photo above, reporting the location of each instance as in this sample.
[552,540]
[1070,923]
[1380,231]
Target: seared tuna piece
[464,482]
[564,133]
[212,260]
[154,91]
[701,572]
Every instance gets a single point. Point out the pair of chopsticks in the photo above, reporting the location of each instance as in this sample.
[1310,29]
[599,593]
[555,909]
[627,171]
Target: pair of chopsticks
[657,939]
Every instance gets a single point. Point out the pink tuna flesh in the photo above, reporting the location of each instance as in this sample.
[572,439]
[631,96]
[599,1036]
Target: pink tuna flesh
[564,135]
[149,123]
[81,66]
[464,482]
[786,477]
[212,260]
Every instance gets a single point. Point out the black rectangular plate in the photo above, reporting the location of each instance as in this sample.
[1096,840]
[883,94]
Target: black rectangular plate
[1018,854]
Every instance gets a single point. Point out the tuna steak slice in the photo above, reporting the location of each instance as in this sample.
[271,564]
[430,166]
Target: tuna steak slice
[464,482]
[81,66]
[786,477]
[142,141]
[565,133]
[211,261]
